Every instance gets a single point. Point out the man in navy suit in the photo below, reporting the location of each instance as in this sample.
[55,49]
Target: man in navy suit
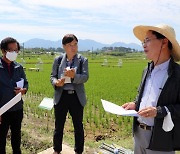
[11,72]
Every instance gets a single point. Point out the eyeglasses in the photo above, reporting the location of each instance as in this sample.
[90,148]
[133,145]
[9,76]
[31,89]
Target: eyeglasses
[71,45]
[147,40]
[17,51]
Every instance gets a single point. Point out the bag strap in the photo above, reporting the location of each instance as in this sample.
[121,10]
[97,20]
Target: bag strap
[59,59]
[59,62]
[81,63]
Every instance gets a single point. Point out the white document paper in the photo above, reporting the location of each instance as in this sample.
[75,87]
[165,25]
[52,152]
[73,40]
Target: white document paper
[20,83]
[46,103]
[67,79]
[10,104]
[116,109]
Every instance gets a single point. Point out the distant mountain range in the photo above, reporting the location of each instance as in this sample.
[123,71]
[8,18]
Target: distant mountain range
[84,45]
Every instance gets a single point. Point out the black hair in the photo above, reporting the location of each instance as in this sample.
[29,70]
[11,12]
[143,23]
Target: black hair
[160,36]
[68,38]
[8,40]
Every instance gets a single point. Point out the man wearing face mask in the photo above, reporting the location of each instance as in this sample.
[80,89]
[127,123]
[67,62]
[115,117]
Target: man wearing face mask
[11,73]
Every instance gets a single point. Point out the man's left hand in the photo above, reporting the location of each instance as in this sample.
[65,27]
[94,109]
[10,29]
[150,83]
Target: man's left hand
[149,112]
[18,90]
[69,73]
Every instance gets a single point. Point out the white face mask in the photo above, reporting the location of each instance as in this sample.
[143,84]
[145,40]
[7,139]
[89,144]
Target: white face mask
[11,55]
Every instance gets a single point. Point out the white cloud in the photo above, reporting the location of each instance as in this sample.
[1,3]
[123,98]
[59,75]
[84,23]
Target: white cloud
[106,20]
[101,10]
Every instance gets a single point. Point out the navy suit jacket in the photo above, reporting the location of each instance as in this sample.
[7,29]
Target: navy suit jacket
[8,84]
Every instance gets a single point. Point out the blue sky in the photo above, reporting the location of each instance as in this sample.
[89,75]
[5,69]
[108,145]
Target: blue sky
[105,21]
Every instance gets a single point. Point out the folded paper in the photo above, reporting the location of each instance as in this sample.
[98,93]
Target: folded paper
[46,103]
[10,104]
[20,84]
[116,109]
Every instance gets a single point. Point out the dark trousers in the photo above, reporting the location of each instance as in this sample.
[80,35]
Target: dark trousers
[13,121]
[68,103]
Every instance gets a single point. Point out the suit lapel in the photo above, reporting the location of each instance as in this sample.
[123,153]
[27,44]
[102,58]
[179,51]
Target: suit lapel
[63,62]
[141,88]
[76,60]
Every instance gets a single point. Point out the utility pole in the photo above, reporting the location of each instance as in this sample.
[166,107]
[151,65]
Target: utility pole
[23,50]
[92,52]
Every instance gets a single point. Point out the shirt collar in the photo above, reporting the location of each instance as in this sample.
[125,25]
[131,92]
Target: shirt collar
[72,58]
[162,66]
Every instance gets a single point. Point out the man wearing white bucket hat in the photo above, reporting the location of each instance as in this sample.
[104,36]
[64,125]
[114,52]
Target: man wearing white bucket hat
[157,128]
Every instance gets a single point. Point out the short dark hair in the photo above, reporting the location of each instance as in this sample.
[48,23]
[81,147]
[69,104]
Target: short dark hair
[8,40]
[68,38]
[160,36]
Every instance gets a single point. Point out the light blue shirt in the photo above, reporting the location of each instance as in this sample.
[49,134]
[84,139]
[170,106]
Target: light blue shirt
[152,89]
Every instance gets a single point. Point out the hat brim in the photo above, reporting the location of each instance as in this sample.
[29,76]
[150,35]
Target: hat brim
[141,31]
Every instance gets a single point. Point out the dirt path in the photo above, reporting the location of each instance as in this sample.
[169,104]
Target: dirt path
[66,150]
[69,150]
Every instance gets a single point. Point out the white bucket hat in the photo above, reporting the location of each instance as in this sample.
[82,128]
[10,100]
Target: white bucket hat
[141,30]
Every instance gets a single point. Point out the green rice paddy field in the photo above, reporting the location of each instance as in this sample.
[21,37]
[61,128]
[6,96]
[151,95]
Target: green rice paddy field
[112,83]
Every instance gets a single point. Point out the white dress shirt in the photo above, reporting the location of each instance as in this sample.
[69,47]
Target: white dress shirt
[152,89]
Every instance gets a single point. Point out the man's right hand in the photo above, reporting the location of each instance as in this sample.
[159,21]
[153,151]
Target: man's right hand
[60,82]
[0,119]
[129,106]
